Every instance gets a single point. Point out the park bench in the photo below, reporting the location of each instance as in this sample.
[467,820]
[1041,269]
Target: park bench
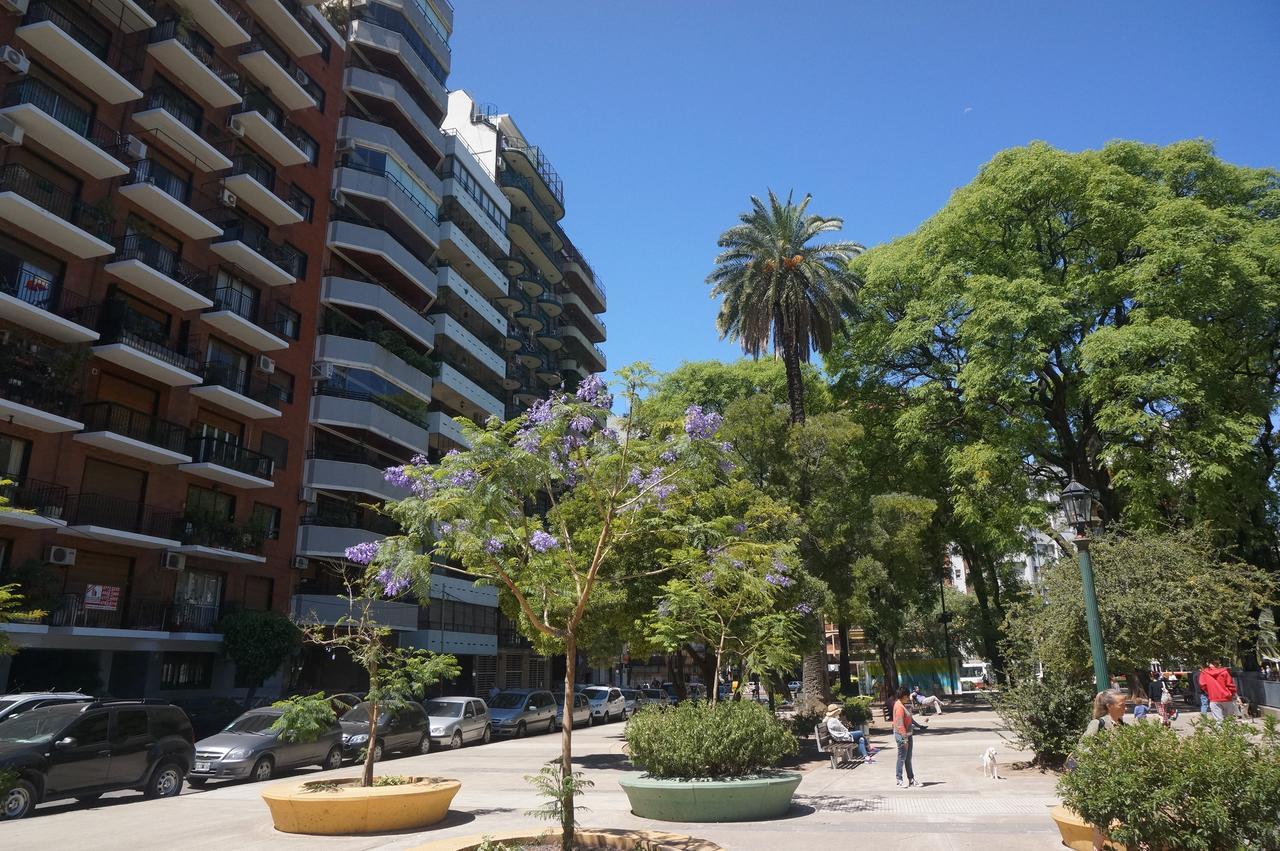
[841,753]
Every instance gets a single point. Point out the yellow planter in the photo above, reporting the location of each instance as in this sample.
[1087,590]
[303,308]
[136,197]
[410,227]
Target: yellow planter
[620,840]
[342,807]
[1077,833]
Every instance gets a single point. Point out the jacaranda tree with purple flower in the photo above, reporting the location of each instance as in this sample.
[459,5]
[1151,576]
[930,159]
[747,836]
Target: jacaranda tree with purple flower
[542,507]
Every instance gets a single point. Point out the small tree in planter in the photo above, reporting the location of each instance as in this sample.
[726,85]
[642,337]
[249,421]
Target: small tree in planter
[541,505]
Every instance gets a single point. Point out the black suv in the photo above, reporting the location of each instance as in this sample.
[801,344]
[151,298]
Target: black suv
[82,750]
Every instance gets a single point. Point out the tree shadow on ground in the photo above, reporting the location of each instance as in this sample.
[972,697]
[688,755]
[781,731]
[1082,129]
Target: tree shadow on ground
[605,761]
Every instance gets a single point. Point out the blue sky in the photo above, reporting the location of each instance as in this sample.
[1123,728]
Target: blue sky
[664,116]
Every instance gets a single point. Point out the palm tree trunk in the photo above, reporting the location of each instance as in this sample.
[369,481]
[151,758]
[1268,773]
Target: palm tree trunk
[795,378]
[814,688]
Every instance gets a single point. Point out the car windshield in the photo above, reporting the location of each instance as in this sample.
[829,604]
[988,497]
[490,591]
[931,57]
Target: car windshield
[507,700]
[34,727]
[629,694]
[252,722]
[660,695]
[560,698]
[444,709]
[596,693]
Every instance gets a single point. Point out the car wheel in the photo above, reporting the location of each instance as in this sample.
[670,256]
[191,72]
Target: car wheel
[456,741]
[166,781]
[424,744]
[19,801]
[521,730]
[591,721]
[552,724]
[488,735]
[333,759]
[197,782]
[262,770]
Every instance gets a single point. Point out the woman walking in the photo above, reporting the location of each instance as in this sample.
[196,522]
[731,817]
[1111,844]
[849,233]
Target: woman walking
[902,735]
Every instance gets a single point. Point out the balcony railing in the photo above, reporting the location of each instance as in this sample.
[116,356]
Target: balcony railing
[116,418]
[256,100]
[40,377]
[387,403]
[540,164]
[353,454]
[255,236]
[526,221]
[147,613]
[72,21]
[250,386]
[164,260]
[199,47]
[95,509]
[244,304]
[350,517]
[223,533]
[44,194]
[26,285]
[391,19]
[233,456]
[179,107]
[510,177]
[44,498]
[397,183]
[313,89]
[121,324]
[158,175]
[256,167]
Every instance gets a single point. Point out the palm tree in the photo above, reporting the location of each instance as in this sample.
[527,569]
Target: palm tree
[776,284]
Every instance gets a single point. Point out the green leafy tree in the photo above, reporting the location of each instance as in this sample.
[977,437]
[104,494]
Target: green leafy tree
[258,643]
[304,717]
[12,609]
[717,384]
[778,286]
[1046,716]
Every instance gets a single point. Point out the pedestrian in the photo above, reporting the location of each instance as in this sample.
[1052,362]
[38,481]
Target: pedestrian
[903,737]
[841,733]
[1218,685]
[1108,712]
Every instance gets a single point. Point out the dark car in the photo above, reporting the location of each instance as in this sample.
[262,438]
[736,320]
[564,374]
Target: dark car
[80,750]
[248,748]
[404,729]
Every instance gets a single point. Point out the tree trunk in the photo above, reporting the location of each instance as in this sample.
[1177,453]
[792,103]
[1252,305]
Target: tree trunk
[248,696]
[795,379]
[842,644]
[814,687]
[888,662]
[566,745]
[987,618]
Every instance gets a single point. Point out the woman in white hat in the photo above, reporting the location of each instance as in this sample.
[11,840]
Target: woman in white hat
[843,734]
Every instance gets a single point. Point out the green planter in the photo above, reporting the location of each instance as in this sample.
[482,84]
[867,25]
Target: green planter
[730,799]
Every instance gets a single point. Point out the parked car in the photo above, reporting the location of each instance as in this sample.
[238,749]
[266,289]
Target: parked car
[581,710]
[520,711]
[404,729]
[15,704]
[655,697]
[794,687]
[248,748]
[457,720]
[81,750]
[607,703]
[210,714]
[631,697]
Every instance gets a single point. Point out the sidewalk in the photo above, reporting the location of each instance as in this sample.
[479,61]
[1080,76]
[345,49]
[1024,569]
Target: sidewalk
[956,809]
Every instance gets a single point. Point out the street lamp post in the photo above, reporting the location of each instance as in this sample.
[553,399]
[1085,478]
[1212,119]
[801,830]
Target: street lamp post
[1077,505]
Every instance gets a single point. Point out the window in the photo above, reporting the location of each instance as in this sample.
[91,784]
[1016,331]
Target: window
[282,385]
[276,448]
[209,503]
[14,452]
[303,203]
[287,321]
[130,723]
[267,517]
[233,294]
[186,670]
[91,730]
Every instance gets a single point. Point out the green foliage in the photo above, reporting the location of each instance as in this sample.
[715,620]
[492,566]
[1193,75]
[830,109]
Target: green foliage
[1159,593]
[258,642]
[1046,716]
[392,780]
[1215,789]
[13,609]
[696,739]
[718,384]
[857,710]
[560,791]
[305,717]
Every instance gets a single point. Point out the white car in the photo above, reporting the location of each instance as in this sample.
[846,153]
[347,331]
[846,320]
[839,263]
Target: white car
[607,703]
[458,720]
[794,686]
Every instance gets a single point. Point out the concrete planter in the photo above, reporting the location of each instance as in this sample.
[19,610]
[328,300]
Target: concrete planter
[729,799]
[1077,833]
[621,840]
[342,807]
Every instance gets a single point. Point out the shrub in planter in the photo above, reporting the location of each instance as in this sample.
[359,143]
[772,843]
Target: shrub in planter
[1215,789]
[1046,716]
[698,740]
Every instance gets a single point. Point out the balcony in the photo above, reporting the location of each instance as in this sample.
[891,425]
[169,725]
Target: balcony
[549,303]
[461,252]
[401,60]
[448,429]
[448,327]
[169,198]
[221,539]
[116,428]
[579,275]
[402,114]
[412,220]
[549,337]
[520,191]
[237,314]
[245,393]
[380,300]
[534,165]
[173,120]
[228,463]
[536,245]
[529,317]
[287,22]
[351,474]
[65,129]
[225,24]
[582,316]
[159,616]
[331,608]
[245,244]
[276,73]
[107,518]
[450,281]
[33,301]
[34,204]
[458,391]
[262,122]
[39,386]
[191,59]
[253,181]
[159,271]
[66,36]
[31,503]
[593,355]
[140,343]
[365,354]
[400,419]
[390,257]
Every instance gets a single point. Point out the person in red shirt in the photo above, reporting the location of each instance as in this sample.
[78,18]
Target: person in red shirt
[902,735]
[1220,687]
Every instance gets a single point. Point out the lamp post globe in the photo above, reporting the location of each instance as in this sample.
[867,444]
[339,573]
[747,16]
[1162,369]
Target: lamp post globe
[1077,504]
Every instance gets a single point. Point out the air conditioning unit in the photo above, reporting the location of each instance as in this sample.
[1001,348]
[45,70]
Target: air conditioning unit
[227,198]
[169,560]
[301,77]
[15,7]
[235,128]
[11,133]
[321,371]
[336,196]
[301,563]
[344,145]
[135,148]
[14,59]
[265,365]
[306,494]
[64,556]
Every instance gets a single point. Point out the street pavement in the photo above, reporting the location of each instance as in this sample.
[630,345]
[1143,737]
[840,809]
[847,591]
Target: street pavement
[957,808]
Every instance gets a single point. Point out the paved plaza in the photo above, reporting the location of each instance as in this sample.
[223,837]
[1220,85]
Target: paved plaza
[957,808]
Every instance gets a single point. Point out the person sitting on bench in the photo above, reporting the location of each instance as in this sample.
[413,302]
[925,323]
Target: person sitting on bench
[840,733]
[930,700]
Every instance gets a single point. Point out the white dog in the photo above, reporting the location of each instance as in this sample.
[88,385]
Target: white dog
[990,767]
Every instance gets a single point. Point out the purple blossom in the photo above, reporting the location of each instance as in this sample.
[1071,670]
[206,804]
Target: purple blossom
[700,424]
[780,566]
[419,460]
[464,479]
[571,442]
[424,487]
[726,446]
[593,390]
[609,434]
[668,457]
[571,480]
[663,491]
[803,609]
[446,528]
[582,424]
[707,577]
[739,528]
[635,477]
[727,466]
[541,541]
[392,585]
[738,564]
[362,553]
[397,477]
[493,546]
[779,579]
[449,454]
[539,413]
[528,441]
